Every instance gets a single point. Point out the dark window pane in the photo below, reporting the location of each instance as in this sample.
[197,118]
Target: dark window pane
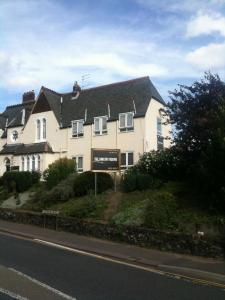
[160,144]
[130,159]
[123,159]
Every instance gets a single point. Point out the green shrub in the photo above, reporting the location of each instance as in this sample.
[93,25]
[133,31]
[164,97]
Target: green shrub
[19,181]
[62,192]
[161,211]
[35,177]
[85,183]
[132,181]
[58,171]
[3,194]
[83,208]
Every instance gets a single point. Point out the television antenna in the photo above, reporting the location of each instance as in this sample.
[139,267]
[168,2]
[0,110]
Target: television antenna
[84,79]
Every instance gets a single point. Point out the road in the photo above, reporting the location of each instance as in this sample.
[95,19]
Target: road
[32,270]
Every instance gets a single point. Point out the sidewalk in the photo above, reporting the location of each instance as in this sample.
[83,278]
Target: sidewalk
[212,270]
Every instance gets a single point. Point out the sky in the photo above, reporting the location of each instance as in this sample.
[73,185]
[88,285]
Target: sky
[53,43]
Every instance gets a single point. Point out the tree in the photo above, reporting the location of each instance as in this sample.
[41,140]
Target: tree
[58,170]
[198,114]
[198,111]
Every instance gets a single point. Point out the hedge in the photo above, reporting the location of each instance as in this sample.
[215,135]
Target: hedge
[19,181]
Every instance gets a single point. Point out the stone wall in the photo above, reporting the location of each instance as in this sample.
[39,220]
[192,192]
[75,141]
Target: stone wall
[169,241]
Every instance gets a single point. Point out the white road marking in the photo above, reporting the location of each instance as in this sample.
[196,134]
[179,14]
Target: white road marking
[57,292]
[11,294]
[100,257]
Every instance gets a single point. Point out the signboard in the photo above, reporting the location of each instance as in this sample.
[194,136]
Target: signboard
[105,159]
[50,212]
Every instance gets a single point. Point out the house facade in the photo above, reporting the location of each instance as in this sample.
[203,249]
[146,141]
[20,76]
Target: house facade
[124,115]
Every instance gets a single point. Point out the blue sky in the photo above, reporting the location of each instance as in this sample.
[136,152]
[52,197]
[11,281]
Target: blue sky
[55,42]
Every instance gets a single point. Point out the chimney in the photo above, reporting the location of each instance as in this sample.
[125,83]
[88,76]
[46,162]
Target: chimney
[29,96]
[76,90]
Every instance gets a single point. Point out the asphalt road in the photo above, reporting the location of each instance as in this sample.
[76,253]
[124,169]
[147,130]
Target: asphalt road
[84,277]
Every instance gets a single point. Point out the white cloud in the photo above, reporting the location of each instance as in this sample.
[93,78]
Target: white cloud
[206,24]
[208,57]
[37,52]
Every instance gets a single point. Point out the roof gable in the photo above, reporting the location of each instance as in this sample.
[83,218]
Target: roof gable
[42,104]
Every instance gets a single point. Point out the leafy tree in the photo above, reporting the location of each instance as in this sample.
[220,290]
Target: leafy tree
[198,114]
[58,170]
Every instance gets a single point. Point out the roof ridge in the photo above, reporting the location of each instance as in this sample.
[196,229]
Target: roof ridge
[111,84]
[20,104]
[54,92]
[118,83]
[14,105]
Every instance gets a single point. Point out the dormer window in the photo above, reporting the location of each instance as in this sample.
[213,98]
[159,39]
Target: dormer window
[77,128]
[126,121]
[100,125]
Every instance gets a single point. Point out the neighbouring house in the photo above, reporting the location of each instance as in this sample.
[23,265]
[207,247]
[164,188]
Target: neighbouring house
[124,115]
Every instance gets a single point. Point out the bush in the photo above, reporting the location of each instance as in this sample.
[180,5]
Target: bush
[132,181]
[161,212]
[85,183]
[19,181]
[62,192]
[165,165]
[58,171]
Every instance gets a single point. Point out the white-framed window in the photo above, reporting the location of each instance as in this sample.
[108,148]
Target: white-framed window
[28,163]
[126,121]
[159,126]
[41,129]
[23,163]
[127,159]
[77,128]
[7,164]
[79,162]
[44,129]
[160,140]
[100,125]
[38,129]
[38,162]
[33,163]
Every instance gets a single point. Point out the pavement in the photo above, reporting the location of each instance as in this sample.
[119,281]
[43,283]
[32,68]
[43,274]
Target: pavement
[11,201]
[202,270]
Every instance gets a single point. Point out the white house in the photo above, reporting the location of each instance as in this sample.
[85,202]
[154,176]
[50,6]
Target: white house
[124,115]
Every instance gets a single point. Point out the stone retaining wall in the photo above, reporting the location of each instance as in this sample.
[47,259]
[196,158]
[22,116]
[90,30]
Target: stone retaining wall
[169,241]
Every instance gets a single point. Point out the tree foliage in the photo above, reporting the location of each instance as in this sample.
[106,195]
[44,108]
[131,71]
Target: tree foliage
[58,171]
[198,114]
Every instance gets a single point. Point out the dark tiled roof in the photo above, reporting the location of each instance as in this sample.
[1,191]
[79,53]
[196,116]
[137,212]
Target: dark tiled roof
[119,97]
[2,122]
[14,113]
[23,149]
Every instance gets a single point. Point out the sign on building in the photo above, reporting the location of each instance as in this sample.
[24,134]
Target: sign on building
[105,159]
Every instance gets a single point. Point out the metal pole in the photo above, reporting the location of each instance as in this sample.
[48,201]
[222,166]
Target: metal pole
[95,184]
[115,182]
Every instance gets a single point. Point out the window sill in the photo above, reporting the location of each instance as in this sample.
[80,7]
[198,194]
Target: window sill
[77,137]
[126,167]
[126,131]
[41,141]
[101,134]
